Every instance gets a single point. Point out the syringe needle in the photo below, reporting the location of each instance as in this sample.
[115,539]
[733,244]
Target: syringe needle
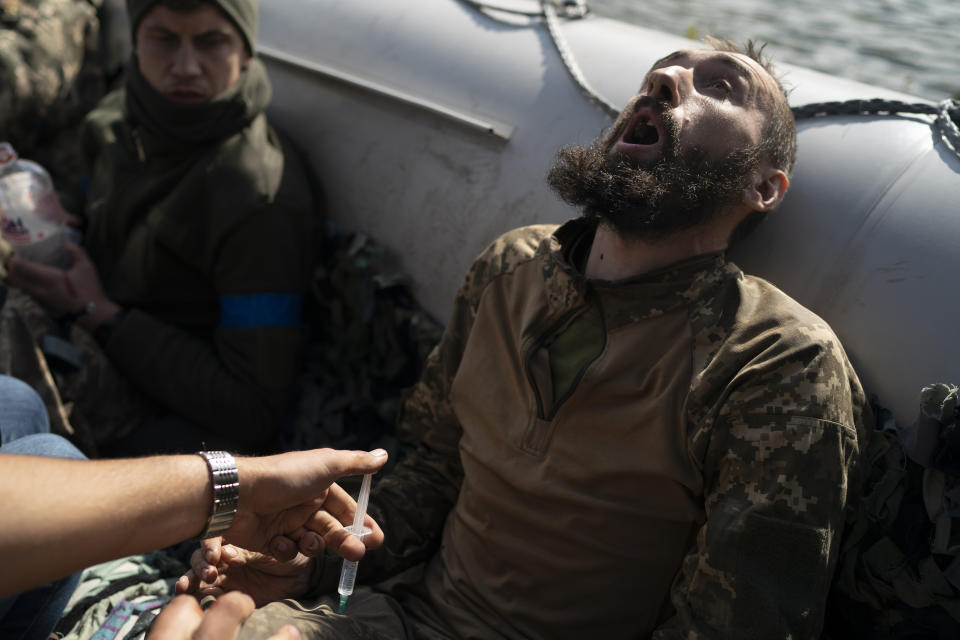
[349,572]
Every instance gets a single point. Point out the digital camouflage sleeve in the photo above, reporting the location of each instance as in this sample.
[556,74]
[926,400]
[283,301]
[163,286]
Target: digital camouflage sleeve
[777,417]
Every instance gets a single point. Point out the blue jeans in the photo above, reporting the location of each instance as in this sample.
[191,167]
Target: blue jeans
[24,430]
[21,411]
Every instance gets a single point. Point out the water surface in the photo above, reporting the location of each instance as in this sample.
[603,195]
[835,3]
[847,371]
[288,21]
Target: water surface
[905,45]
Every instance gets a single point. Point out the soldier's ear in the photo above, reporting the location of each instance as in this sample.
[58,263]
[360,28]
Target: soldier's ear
[766,189]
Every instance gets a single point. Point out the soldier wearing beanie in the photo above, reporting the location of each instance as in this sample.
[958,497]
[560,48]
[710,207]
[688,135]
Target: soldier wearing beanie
[197,247]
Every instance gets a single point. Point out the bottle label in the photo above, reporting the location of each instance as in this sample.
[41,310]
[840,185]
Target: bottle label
[30,212]
[31,217]
[15,232]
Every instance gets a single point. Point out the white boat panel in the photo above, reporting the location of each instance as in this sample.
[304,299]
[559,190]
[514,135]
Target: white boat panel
[866,237]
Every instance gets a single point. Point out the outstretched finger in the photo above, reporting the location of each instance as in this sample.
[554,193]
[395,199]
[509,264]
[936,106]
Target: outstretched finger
[337,538]
[187,583]
[354,463]
[340,505]
[339,511]
[223,619]
[205,560]
[177,621]
[304,475]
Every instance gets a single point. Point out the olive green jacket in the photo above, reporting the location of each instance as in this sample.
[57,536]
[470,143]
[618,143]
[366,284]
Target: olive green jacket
[209,247]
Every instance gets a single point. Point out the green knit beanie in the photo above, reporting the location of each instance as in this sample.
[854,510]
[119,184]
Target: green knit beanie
[242,12]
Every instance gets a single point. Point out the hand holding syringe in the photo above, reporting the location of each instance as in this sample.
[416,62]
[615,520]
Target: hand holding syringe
[349,572]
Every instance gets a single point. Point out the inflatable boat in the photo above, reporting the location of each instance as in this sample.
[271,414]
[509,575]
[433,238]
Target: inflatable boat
[432,125]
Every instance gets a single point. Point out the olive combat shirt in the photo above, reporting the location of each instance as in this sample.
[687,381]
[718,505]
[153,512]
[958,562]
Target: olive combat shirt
[690,482]
[208,245]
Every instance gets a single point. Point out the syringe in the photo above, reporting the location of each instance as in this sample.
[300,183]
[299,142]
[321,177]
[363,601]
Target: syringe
[349,572]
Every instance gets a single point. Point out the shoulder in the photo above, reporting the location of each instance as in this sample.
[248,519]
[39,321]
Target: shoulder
[776,356]
[516,246]
[504,255]
[101,131]
[253,159]
[767,318]
[105,116]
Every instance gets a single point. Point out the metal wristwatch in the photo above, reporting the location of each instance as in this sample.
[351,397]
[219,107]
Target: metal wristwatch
[226,491]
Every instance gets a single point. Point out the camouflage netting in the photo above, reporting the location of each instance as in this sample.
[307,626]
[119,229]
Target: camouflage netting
[898,576]
[57,59]
[367,340]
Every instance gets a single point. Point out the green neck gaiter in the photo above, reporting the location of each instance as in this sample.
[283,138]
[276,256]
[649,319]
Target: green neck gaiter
[189,124]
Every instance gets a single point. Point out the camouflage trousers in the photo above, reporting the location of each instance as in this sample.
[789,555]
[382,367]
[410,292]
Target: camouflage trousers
[369,615]
[395,609]
[87,400]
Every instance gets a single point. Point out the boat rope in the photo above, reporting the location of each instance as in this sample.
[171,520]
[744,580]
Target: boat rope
[566,55]
[947,112]
[945,124]
[551,11]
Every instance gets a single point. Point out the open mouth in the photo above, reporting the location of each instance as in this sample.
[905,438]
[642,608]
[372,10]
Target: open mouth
[646,133]
[642,132]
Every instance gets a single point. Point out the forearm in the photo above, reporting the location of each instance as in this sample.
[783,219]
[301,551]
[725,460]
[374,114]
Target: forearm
[413,504]
[763,561]
[61,516]
[221,389]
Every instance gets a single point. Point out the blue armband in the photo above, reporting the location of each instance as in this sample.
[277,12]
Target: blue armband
[259,310]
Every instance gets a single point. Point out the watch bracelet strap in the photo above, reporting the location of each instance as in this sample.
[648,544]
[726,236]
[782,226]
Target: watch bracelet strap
[226,491]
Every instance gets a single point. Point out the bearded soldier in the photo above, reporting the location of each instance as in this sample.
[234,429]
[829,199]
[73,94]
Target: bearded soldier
[626,436]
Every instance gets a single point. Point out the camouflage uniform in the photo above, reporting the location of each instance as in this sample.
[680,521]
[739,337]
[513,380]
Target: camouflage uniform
[42,49]
[691,483]
[899,570]
[53,70]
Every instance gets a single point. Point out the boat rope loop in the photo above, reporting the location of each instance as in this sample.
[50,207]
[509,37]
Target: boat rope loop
[947,112]
[566,55]
[552,11]
[945,124]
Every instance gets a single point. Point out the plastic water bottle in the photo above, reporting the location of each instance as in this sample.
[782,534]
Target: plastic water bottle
[31,218]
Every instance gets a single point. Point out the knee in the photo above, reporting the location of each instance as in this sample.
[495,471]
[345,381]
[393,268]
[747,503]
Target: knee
[48,445]
[22,412]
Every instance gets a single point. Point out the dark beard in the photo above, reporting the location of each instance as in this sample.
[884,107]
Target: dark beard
[681,190]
